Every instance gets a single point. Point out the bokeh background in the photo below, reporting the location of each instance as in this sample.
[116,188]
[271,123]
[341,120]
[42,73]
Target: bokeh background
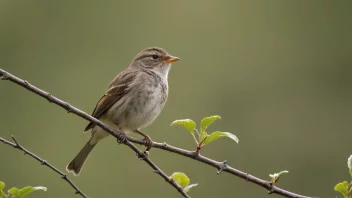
[278,72]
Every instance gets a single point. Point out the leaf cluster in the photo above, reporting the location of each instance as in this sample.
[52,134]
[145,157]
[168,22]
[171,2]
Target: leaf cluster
[18,193]
[204,137]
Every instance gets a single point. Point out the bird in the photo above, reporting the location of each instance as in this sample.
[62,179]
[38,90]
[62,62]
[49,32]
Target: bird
[133,100]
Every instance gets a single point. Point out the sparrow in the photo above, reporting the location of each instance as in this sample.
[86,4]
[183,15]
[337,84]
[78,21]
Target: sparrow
[134,99]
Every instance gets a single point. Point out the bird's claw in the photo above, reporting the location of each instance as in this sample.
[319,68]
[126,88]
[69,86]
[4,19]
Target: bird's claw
[121,138]
[148,142]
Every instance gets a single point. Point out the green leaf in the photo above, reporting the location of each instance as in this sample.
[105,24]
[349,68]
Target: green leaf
[342,188]
[181,179]
[29,189]
[2,185]
[14,192]
[275,177]
[349,164]
[217,134]
[187,188]
[189,124]
[206,122]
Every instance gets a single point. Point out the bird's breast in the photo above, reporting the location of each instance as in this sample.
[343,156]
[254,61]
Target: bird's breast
[143,103]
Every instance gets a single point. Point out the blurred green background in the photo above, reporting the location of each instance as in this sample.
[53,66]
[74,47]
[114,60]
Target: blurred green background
[278,72]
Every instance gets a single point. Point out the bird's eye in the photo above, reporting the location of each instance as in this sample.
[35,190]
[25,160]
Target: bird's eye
[155,56]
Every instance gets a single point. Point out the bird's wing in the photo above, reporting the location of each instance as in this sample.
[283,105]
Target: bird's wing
[118,88]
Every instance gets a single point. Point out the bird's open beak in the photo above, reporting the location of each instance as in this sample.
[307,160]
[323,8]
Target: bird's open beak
[171,59]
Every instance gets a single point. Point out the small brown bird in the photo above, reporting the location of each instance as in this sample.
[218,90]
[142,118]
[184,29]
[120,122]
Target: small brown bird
[134,99]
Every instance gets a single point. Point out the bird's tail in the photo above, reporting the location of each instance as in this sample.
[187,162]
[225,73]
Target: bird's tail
[76,164]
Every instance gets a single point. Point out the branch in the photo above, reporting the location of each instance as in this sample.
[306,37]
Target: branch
[43,162]
[221,166]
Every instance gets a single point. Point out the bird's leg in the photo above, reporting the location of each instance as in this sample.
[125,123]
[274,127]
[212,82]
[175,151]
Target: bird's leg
[148,142]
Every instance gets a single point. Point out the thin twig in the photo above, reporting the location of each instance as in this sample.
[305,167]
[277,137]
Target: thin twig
[119,135]
[43,162]
[220,166]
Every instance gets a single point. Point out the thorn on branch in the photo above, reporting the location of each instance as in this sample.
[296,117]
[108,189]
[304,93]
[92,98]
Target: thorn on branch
[222,167]
[3,75]
[68,108]
[164,144]
[49,97]
[142,156]
[271,190]
[43,162]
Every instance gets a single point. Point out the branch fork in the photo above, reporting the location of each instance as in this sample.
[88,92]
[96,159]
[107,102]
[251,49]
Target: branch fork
[18,146]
